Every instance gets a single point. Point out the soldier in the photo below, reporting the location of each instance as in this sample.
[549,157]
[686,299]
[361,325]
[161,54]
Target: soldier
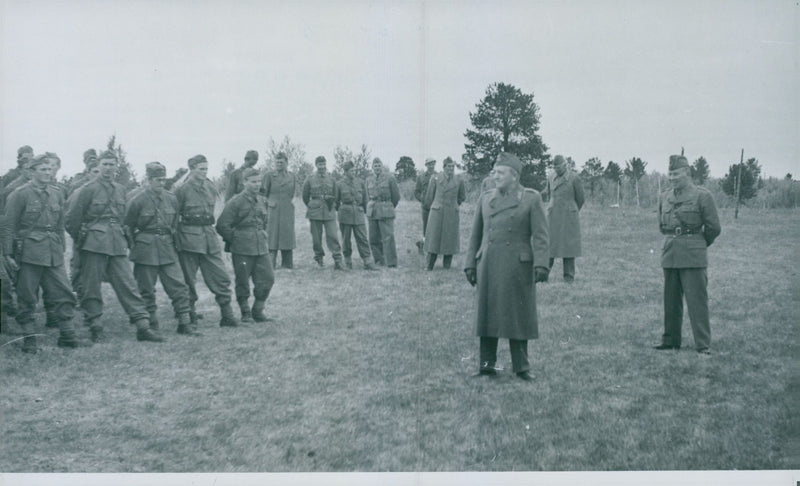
[89,161]
[35,218]
[420,190]
[565,192]
[152,219]
[278,187]
[383,195]
[319,195]
[688,218]
[52,319]
[199,243]
[7,308]
[242,225]
[507,254]
[445,194]
[16,177]
[92,172]
[235,180]
[351,202]
[95,224]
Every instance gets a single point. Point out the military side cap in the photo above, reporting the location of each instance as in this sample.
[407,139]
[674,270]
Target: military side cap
[53,156]
[89,154]
[559,159]
[430,161]
[37,161]
[677,162]
[509,160]
[251,154]
[281,156]
[448,160]
[377,160]
[25,149]
[108,154]
[92,163]
[348,165]
[197,159]
[319,159]
[249,172]
[155,169]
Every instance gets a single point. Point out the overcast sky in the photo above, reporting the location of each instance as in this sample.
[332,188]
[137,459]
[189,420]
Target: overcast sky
[613,79]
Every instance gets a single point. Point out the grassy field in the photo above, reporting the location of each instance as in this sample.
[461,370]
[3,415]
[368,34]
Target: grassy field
[373,371]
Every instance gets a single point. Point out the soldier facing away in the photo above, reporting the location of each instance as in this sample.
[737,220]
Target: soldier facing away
[687,217]
[242,225]
[95,223]
[152,219]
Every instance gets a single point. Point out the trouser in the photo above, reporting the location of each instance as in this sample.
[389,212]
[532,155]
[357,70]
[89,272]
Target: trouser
[569,267]
[255,267]
[214,275]
[446,260]
[7,307]
[425,213]
[286,258]
[172,281]
[691,283]
[381,241]
[519,352]
[360,234]
[117,270]
[56,290]
[331,238]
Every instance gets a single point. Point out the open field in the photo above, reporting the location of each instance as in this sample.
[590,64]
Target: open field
[373,371]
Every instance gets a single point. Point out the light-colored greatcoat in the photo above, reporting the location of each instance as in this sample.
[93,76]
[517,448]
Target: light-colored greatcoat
[566,199]
[279,189]
[444,197]
[509,237]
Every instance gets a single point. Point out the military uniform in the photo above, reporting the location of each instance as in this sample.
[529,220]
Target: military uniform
[242,225]
[235,183]
[566,200]
[95,224]
[689,221]
[351,201]
[319,194]
[199,245]
[420,190]
[444,196]
[383,195]
[279,189]
[152,219]
[35,219]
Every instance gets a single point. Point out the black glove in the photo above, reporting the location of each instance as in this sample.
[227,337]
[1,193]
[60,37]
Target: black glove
[540,274]
[472,276]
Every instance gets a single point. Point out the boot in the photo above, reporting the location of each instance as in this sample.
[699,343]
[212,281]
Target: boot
[286,259]
[273,255]
[369,266]
[319,262]
[258,311]
[29,345]
[186,327]
[431,260]
[68,339]
[154,325]
[447,260]
[144,333]
[51,321]
[228,319]
[348,262]
[247,317]
[97,333]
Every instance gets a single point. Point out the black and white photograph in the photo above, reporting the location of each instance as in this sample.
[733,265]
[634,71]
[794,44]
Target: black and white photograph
[405,242]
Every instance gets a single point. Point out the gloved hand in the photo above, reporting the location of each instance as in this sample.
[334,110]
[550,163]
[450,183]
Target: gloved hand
[472,276]
[540,274]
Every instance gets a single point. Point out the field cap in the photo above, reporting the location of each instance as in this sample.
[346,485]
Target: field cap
[677,162]
[448,160]
[197,159]
[37,161]
[319,159]
[108,154]
[155,169]
[348,165]
[25,149]
[509,160]
[281,156]
[559,159]
[89,154]
[251,154]
[249,172]
[430,161]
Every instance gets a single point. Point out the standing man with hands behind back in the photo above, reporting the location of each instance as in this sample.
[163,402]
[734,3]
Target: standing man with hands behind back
[565,192]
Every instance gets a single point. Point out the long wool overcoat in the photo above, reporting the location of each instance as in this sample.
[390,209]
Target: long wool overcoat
[444,197]
[509,237]
[566,199]
[279,189]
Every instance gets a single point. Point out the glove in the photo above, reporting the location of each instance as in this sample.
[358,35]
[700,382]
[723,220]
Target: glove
[540,274]
[472,276]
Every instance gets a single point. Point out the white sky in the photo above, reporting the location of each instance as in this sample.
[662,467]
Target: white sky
[613,79]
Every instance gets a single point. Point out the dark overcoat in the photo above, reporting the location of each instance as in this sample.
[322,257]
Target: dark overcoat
[444,197]
[279,189]
[509,237]
[566,200]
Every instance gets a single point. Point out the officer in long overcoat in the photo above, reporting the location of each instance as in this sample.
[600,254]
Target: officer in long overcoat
[383,195]
[319,196]
[278,187]
[445,194]
[565,191]
[95,223]
[508,252]
[351,203]
[243,227]
[152,219]
[687,217]
[35,221]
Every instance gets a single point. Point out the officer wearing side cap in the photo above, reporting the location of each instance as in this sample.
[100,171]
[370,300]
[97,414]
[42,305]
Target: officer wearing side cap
[243,226]
[508,252]
[35,218]
[152,219]
[687,217]
[95,223]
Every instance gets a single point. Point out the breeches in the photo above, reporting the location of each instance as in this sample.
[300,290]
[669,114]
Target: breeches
[259,269]
[360,233]
[331,238]
[117,270]
[381,241]
[56,292]
[172,281]
[213,269]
